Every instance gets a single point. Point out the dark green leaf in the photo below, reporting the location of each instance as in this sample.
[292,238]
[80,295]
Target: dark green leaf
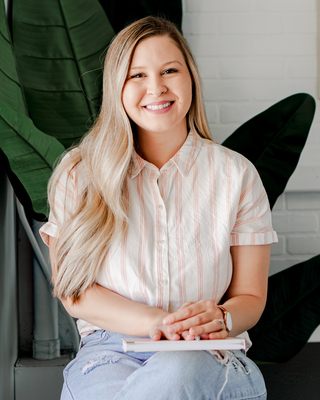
[30,152]
[122,13]
[274,139]
[291,314]
[10,90]
[11,94]
[58,47]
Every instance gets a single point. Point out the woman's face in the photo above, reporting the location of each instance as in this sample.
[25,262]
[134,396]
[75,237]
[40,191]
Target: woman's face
[158,91]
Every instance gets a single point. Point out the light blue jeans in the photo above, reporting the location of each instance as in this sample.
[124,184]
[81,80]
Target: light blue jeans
[102,371]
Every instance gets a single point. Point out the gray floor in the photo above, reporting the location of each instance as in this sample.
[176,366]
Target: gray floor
[298,379]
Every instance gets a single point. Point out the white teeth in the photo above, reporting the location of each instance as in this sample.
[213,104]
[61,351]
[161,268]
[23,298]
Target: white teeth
[160,107]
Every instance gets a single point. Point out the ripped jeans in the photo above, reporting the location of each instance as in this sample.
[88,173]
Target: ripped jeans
[102,371]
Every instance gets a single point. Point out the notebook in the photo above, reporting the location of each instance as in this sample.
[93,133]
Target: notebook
[144,345]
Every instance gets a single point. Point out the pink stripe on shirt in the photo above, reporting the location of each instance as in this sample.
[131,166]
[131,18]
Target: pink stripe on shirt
[156,200]
[142,239]
[197,230]
[179,240]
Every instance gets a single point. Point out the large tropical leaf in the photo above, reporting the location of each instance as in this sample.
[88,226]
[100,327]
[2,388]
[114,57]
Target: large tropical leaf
[31,155]
[122,13]
[291,314]
[26,153]
[59,46]
[10,90]
[274,139]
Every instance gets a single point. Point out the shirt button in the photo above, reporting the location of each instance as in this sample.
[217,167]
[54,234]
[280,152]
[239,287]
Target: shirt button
[160,207]
[162,241]
[163,282]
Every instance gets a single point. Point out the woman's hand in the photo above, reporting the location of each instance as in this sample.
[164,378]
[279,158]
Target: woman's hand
[202,318]
[159,330]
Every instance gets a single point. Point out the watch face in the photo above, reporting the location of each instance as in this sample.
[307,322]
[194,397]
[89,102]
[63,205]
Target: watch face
[229,321]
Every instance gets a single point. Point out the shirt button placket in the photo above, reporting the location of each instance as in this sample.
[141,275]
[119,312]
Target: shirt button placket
[163,242]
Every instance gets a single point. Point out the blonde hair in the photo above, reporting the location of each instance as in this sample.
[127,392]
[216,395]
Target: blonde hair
[105,154]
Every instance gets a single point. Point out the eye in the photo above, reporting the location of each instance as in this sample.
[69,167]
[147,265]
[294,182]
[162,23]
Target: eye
[136,76]
[170,71]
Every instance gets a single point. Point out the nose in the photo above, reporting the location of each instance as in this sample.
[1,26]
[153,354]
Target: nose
[156,86]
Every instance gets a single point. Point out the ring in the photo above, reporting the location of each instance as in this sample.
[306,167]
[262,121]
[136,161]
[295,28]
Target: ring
[221,322]
[197,337]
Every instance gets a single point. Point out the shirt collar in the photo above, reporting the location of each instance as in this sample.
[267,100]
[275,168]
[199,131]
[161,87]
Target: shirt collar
[183,159]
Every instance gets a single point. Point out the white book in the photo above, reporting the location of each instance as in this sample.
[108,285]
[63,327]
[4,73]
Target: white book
[144,344]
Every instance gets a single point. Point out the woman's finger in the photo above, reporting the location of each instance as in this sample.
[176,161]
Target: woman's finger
[186,304]
[205,336]
[189,323]
[162,331]
[174,336]
[218,335]
[196,322]
[190,311]
[156,335]
[214,326]
[186,335]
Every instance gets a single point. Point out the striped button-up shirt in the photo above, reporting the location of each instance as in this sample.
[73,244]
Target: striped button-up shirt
[183,219]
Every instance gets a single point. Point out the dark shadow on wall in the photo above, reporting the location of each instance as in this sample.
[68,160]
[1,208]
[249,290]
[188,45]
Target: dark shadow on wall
[297,379]
[8,289]
[25,289]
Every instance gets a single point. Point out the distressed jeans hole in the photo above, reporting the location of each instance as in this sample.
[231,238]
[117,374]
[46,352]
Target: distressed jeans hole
[244,366]
[92,364]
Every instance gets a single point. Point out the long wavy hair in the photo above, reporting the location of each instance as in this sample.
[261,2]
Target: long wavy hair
[101,217]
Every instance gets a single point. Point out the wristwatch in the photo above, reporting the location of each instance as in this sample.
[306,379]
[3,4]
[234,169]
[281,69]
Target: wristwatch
[226,318]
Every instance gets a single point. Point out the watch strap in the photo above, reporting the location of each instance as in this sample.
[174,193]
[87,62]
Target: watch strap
[224,313]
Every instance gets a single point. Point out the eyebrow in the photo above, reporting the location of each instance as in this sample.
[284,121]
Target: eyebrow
[169,62]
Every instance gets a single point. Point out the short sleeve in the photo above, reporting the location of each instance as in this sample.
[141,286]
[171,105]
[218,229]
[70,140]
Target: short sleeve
[63,205]
[253,225]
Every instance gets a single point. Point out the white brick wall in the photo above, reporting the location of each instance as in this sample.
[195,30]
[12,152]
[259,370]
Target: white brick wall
[296,218]
[251,54]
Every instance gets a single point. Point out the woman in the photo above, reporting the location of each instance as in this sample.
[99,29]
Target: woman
[157,231]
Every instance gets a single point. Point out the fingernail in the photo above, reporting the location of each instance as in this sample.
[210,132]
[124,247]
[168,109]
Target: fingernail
[166,321]
[171,329]
[194,332]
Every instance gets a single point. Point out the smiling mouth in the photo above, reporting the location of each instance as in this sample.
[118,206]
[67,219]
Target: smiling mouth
[160,106]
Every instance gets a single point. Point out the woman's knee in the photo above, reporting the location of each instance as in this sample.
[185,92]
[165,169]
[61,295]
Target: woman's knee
[182,362]
[210,375]
[244,380]
[185,369]
[97,374]
[170,375]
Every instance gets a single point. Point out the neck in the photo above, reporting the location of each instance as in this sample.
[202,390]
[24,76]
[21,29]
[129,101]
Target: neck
[159,148]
